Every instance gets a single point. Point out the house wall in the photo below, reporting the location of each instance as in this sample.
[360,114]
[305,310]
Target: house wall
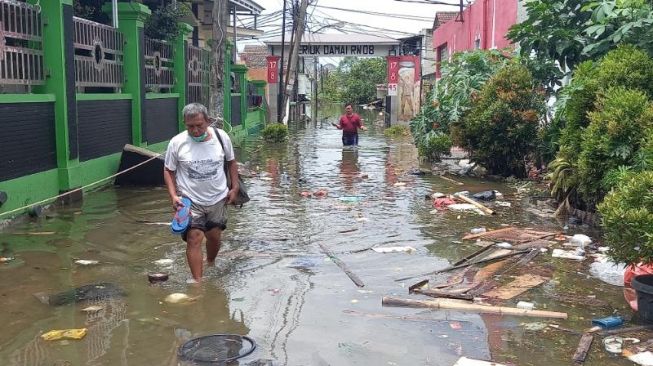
[485,24]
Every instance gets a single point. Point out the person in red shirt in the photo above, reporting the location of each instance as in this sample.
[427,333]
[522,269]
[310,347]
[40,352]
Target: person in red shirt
[349,123]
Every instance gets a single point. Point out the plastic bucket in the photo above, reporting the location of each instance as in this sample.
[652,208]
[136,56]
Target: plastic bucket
[643,285]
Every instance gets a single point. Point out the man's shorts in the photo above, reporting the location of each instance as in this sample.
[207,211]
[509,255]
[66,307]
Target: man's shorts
[206,218]
[350,140]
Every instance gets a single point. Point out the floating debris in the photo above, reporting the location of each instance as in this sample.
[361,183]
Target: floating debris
[164,262]
[55,335]
[560,253]
[86,262]
[92,309]
[393,249]
[179,298]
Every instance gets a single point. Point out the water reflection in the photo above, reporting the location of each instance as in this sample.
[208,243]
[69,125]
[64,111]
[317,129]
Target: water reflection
[349,169]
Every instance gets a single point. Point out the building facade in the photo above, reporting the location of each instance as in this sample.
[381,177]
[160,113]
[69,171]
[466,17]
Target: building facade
[482,25]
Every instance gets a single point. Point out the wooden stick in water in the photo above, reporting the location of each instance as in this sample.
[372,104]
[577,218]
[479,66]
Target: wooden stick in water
[342,266]
[485,210]
[464,306]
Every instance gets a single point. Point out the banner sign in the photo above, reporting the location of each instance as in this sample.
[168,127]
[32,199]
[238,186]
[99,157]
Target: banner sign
[360,50]
[273,69]
[393,70]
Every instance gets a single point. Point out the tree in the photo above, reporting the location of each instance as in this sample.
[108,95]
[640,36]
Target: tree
[355,80]
[553,31]
[573,31]
[218,48]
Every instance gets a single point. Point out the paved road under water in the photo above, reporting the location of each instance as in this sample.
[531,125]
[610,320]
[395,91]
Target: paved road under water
[272,281]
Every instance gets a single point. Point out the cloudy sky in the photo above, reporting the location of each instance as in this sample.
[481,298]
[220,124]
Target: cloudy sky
[380,17]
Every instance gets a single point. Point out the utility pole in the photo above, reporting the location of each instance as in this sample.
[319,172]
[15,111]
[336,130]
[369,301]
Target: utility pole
[314,87]
[293,63]
[280,97]
[220,17]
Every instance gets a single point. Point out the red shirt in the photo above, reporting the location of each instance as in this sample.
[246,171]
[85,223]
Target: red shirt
[350,124]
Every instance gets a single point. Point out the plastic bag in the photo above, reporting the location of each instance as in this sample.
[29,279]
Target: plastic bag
[630,273]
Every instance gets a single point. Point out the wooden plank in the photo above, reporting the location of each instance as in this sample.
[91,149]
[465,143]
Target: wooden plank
[583,348]
[443,294]
[520,285]
[481,207]
[342,266]
[465,306]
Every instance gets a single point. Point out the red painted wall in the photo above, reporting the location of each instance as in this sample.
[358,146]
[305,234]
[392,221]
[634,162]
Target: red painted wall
[486,20]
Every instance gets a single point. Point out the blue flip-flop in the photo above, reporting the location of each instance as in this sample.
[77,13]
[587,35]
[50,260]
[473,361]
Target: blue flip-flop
[182,217]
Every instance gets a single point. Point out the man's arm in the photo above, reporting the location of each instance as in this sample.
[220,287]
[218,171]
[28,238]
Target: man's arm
[360,124]
[232,165]
[169,178]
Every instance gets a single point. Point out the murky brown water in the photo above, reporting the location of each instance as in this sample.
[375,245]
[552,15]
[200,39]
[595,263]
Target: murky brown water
[272,282]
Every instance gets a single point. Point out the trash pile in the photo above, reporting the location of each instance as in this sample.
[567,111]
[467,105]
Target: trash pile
[466,202]
[496,279]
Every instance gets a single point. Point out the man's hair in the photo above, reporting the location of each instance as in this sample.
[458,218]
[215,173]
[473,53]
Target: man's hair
[349,105]
[194,109]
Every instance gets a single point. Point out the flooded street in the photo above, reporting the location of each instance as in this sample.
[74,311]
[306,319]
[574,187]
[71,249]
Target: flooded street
[273,282]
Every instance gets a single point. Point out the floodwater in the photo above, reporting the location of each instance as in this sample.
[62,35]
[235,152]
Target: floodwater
[273,282]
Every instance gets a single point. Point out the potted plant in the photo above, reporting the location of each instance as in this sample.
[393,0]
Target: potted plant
[627,220]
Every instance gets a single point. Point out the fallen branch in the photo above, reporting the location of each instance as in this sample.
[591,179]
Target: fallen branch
[342,266]
[458,305]
[485,210]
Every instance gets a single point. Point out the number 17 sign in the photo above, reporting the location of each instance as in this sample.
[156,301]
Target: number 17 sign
[273,69]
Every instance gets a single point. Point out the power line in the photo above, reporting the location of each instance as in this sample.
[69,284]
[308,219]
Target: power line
[388,15]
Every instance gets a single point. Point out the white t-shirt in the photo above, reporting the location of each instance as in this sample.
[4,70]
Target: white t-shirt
[199,166]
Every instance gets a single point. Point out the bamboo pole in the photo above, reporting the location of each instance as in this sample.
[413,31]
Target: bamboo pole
[463,306]
[485,210]
[451,180]
[342,266]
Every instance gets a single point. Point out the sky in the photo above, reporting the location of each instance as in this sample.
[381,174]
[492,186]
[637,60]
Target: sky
[323,18]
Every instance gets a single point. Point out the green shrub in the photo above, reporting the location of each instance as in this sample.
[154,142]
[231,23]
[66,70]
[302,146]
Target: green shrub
[604,155]
[433,145]
[612,139]
[501,129]
[627,219]
[397,131]
[275,132]
[452,96]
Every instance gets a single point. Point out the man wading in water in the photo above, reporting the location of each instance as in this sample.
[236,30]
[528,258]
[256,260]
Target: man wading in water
[194,168]
[349,123]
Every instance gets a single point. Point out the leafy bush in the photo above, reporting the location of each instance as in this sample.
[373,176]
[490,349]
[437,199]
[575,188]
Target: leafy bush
[612,139]
[500,131]
[433,145]
[397,131]
[452,96]
[275,132]
[592,85]
[627,219]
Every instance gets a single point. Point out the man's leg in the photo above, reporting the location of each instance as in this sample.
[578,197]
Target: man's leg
[216,223]
[212,245]
[194,252]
